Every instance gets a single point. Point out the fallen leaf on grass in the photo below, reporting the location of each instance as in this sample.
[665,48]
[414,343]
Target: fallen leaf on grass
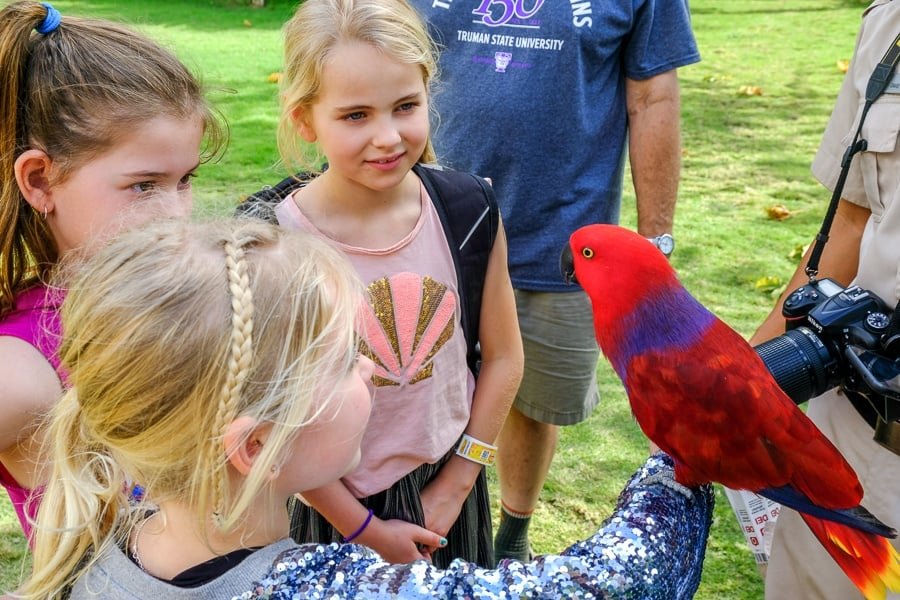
[768,283]
[778,212]
[750,90]
[842,65]
[274,77]
[798,252]
[248,23]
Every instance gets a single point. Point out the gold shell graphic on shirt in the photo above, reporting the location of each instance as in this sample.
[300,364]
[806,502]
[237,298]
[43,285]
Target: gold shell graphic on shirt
[409,320]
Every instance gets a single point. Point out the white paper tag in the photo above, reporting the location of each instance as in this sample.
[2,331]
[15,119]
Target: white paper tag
[756,516]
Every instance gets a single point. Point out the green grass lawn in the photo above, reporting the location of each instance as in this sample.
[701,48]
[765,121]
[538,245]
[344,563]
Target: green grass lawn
[743,152]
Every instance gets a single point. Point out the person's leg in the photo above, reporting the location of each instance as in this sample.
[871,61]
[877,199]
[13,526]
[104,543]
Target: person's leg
[558,388]
[525,450]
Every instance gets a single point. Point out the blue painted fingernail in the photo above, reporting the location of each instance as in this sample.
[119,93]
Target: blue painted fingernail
[443,541]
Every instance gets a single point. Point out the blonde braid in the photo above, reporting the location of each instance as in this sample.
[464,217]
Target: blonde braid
[239,359]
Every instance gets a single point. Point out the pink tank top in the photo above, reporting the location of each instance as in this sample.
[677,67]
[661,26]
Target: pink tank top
[35,319]
[423,386]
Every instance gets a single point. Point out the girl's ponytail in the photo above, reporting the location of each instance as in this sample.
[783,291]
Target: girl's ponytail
[22,230]
[81,506]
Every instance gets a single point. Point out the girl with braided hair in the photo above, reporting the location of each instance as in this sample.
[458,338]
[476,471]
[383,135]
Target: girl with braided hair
[218,364]
[100,127]
[196,354]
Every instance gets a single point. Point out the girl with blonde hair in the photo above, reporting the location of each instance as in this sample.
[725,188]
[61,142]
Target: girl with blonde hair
[100,128]
[218,364]
[196,354]
[441,327]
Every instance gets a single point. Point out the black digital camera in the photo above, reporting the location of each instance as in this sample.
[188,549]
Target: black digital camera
[840,336]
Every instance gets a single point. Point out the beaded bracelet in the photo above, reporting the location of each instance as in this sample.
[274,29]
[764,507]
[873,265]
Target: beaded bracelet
[362,528]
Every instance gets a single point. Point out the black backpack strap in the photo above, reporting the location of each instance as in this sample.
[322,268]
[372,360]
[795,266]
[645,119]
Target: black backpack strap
[261,205]
[470,217]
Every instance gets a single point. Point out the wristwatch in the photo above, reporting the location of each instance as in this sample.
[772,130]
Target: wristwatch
[665,242]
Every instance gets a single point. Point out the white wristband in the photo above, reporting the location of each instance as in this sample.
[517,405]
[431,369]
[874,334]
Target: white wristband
[476,450]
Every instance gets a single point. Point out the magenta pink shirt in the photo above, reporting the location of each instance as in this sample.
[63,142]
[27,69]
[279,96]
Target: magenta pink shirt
[423,386]
[35,319]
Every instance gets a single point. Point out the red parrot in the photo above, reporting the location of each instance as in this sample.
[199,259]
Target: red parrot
[699,391]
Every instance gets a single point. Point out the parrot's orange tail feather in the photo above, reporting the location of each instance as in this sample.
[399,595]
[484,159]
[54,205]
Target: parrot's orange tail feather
[870,561]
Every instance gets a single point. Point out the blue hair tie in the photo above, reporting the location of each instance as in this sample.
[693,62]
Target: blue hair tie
[51,21]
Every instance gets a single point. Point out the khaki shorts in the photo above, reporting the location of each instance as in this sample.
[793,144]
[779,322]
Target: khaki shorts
[559,385]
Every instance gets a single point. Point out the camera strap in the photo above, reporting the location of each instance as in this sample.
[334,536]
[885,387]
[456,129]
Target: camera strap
[878,82]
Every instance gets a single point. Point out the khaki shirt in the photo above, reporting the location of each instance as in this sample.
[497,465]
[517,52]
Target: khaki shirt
[874,178]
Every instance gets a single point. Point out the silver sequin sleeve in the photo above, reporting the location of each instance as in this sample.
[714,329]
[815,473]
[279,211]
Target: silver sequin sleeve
[651,547]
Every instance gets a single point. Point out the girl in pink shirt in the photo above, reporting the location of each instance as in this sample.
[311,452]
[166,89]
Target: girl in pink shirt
[356,90]
[99,127]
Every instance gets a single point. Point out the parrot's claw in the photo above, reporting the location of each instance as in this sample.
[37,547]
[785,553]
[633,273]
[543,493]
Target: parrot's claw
[663,478]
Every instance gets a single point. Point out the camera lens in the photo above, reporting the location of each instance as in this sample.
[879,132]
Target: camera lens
[801,364]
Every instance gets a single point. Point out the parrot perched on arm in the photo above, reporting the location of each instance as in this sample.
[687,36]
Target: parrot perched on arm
[699,391]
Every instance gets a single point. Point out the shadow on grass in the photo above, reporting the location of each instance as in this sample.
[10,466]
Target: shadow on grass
[733,123]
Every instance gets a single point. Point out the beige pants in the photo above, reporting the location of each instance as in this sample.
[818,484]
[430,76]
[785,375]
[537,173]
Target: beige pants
[799,568]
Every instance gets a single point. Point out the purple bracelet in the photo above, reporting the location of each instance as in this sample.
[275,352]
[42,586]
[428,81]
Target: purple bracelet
[362,528]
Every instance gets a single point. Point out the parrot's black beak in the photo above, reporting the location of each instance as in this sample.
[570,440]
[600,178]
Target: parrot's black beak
[567,265]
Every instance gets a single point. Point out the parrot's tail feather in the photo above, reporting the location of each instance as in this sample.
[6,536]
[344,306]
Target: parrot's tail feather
[857,517]
[871,563]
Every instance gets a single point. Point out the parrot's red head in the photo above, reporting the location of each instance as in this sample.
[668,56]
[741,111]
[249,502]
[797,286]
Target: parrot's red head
[617,268]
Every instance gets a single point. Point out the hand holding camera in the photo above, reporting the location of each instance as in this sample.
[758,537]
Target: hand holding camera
[840,336]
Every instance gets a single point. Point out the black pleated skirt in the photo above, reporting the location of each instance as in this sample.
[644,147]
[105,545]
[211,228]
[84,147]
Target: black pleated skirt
[470,538]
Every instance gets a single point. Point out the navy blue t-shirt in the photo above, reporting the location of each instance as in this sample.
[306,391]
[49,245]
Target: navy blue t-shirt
[532,95]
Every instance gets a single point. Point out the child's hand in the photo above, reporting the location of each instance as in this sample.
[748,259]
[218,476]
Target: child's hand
[440,508]
[441,511]
[399,541]
[443,498]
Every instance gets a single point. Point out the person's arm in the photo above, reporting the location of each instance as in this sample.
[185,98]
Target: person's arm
[654,149]
[30,388]
[502,362]
[840,261]
[395,540]
[652,546]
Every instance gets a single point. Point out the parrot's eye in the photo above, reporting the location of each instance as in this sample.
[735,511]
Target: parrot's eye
[587,253]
